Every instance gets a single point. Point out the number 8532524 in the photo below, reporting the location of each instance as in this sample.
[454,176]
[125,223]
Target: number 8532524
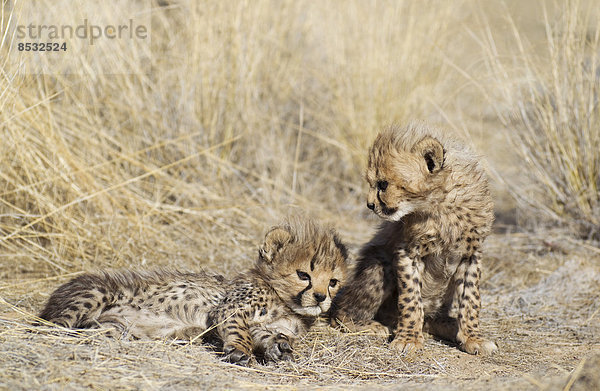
[42,47]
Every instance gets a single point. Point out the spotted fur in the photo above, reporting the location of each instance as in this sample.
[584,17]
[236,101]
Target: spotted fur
[422,268]
[299,270]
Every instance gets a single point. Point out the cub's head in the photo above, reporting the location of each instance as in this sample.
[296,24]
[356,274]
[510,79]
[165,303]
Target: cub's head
[405,169]
[305,264]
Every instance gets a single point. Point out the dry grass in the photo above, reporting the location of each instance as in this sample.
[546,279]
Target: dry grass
[253,109]
[550,99]
[247,111]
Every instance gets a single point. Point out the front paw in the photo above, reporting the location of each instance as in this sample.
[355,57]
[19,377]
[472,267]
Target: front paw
[234,355]
[478,345]
[407,345]
[279,349]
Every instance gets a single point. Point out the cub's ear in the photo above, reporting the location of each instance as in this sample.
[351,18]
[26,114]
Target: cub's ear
[432,151]
[275,239]
[340,245]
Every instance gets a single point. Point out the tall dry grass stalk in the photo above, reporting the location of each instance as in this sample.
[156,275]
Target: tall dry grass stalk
[550,102]
[251,108]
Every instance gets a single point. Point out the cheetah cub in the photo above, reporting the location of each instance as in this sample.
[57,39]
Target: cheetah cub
[421,270]
[299,270]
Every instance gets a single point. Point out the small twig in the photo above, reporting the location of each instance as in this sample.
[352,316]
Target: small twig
[40,280]
[585,245]
[267,372]
[574,375]
[593,315]
[379,374]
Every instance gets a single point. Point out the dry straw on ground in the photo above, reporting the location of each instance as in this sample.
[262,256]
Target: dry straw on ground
[255,109]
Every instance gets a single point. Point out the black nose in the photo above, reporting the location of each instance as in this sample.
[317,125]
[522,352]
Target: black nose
[319,297]
[370,205]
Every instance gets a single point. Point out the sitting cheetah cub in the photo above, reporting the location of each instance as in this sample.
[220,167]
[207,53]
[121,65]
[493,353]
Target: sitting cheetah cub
[421,270]
[299,270]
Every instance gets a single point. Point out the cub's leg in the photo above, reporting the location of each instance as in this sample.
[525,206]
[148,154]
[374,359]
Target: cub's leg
[443,327]
[408,334]
[272,345]
[241,340]
[232,328]
[143,323]
[444,324]
[357,303]
[466,305]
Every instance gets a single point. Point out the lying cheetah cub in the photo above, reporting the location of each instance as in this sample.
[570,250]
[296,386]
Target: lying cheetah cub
[422,268]
[300,268]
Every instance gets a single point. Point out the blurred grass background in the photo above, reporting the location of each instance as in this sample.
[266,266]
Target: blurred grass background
[253,109]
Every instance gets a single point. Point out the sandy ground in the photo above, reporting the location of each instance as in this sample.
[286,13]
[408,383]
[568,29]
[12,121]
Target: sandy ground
[541,306]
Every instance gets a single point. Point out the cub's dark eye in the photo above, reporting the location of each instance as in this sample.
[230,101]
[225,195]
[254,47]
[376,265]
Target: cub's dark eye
[303,276]
[333,282]
[382,185]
